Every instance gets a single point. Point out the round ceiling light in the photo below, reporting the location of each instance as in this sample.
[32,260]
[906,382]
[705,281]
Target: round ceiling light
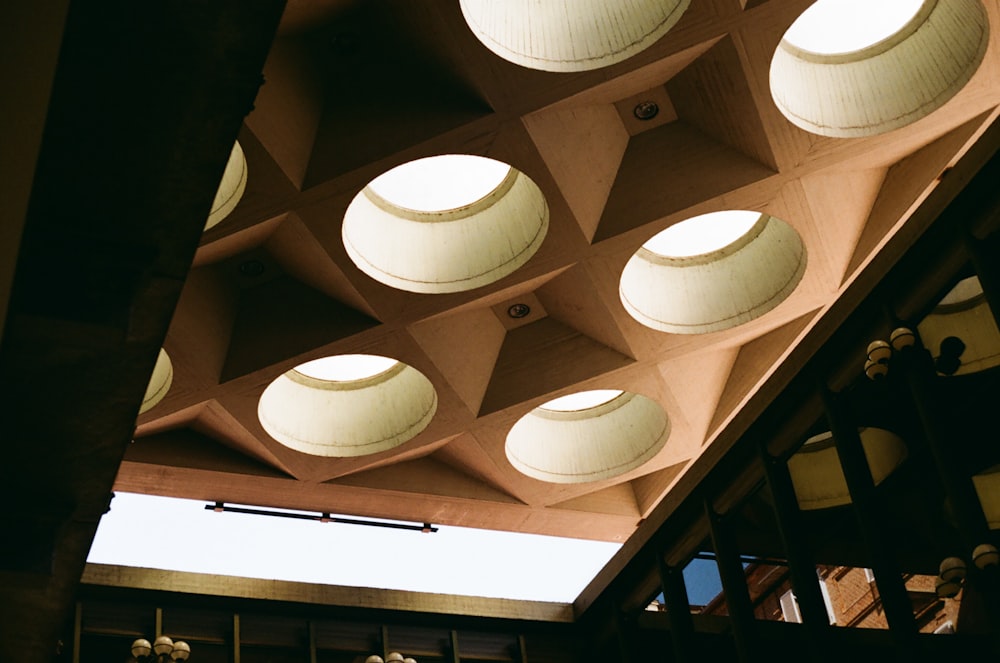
[588,436]
[961,331]
[853,68]
[444,224]
[712,272]
[570,36]
[818,477]
[234,183]
[347,405]
[159,382]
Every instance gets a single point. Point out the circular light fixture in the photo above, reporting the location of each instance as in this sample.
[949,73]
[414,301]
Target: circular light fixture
[646,110]
[347,405]
[234,183]
[588,436]
[444,224]
[712,272]
[818,477]
[518,311]
[852,68]
[159,382]
[961,332]
[570,36]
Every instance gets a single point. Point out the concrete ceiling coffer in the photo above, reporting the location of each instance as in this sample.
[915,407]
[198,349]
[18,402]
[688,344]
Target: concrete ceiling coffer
[589,444]
[570,36]
[694,293]
[844,89]
[442,250]
[331,413]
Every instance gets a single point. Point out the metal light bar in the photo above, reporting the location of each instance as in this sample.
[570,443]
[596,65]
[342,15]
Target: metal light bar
[219,507]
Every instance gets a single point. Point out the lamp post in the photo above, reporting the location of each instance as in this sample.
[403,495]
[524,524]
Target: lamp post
[162,650]
[985,557]
[393,657]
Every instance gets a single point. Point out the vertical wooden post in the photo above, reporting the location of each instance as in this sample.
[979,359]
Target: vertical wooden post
[871,515]
[236,638]
[801,565]
[77,629]
[455,657]
[312,641]
[678,610]
[734,586]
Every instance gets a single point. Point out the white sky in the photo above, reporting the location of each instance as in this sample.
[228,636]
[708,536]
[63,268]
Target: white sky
[440,183]
[181,535]
[702,234]
[843,26]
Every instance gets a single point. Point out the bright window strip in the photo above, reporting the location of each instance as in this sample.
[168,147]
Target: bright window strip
[451,561]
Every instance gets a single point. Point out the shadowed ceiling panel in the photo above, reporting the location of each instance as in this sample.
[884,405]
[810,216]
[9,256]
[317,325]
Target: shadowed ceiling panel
[712,94]
[586,172]
[618,499]
[755,359]
[696,382]
[664,171]
[466,455]
[650,488]
[840,219]
[428,476]
[542,357]
[186,448]
[383,93]
[281,318]
[569,299]
[291,105]
[907,182]
[299,253]
[465,348]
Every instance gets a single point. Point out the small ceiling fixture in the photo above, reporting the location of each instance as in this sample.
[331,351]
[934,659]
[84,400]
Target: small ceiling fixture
[646,110]
[518,310]
[252,267]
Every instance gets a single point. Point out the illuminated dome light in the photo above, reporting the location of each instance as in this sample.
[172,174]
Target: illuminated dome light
[964,314]
[346,368]
[752,263]
[620,432]
[159,382]
[853,68]
[570,36]
[818,478]
[582,400]
[234,183]
[417,185]
[987,484]
[347,405]
[413,229]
